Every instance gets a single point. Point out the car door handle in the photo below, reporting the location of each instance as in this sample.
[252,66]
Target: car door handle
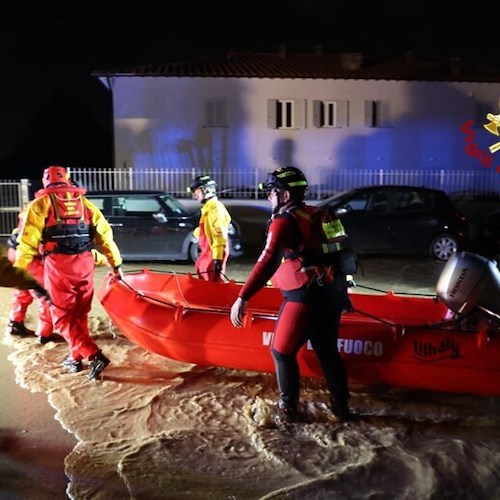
[116,224]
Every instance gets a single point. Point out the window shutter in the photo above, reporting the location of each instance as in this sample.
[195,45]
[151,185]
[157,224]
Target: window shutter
[384,114]
[369,113]
[271,113]
[220,113]
[300,113]
[342,113]
[316,116]
[215,113]
[209,113]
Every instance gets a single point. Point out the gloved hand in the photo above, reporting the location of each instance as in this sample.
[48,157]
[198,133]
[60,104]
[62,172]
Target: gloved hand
[217,267]
[237,311]
[12,241]
[117,271]
[41,293]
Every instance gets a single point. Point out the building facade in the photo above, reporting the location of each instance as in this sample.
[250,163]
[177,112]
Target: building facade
[319,112]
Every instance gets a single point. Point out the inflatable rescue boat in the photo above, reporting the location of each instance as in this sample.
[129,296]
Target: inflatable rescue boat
[447,343]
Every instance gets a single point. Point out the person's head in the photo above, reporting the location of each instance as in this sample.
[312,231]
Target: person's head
[55,176]
[285,185]
[202,188]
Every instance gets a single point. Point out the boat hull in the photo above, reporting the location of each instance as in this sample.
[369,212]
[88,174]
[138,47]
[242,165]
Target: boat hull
[389,340]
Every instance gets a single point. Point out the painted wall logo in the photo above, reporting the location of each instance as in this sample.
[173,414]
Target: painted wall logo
[471,147]
[430,352]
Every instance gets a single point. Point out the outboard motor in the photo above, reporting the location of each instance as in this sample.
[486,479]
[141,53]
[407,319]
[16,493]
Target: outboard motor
[470,283]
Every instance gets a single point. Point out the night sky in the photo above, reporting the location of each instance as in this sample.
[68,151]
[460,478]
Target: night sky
[55,112]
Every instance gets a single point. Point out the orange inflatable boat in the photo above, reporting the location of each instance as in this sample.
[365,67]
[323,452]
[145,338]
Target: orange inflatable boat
[448,343]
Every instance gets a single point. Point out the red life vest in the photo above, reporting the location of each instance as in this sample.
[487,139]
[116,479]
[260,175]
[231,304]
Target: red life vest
[67,226]
[320,236]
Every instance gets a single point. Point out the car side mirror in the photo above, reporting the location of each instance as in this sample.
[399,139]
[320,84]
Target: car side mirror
[341,210]
[160,217]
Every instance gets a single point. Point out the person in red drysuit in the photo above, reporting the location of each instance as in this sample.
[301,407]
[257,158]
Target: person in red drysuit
[212,231]
[65,224]
[315,295]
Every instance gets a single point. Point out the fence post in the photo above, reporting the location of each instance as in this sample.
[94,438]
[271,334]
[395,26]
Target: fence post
[442,179]
[24,192]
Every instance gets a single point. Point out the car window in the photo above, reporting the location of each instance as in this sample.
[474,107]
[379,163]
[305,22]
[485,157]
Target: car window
[119,206]
[357,203]
[174,206]
[98,202]
[404,199]
[413,200]
[379,202]
[136,206]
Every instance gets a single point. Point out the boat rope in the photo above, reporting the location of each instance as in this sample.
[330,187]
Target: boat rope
[199,273]
[142,294]
[397,293]
[222,310]
[180,290]
[438,324]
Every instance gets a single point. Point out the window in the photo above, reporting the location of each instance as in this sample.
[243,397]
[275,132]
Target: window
[139,206]
[215,113]
[379,202]
[99,203]
[376,113]
[286,113]
[357,203]
[330,114]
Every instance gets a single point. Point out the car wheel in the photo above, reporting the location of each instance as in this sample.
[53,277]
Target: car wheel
[443,246]
[194,251]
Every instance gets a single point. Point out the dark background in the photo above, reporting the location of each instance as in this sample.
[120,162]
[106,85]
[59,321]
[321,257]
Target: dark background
[55,112]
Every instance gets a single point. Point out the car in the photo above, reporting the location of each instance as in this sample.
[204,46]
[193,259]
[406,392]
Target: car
[489,234]
[154,225]
[400,219]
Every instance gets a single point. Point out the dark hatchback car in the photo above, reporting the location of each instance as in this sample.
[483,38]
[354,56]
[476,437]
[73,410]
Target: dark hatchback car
[405,220]
[153,225]
[489,231]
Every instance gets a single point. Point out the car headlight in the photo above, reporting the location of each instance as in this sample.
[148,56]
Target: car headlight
[231,230]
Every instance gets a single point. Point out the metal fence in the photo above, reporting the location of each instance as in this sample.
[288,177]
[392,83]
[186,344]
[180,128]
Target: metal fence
[237,184]
[243,185]
[13,196]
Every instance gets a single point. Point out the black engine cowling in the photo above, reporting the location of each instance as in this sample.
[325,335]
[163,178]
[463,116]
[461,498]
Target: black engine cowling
[470,282]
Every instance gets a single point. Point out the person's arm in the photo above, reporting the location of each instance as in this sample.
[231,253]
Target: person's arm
[103,236]
[99,258]
[15,277]
[279,236]
[30,233]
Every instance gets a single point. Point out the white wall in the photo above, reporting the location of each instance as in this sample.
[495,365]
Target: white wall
[159,124]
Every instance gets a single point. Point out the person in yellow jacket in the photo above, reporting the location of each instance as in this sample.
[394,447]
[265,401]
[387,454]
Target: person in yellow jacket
[63,225]
[212,231]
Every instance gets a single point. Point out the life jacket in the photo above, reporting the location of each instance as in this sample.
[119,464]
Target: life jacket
[321,234]
[67,226]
